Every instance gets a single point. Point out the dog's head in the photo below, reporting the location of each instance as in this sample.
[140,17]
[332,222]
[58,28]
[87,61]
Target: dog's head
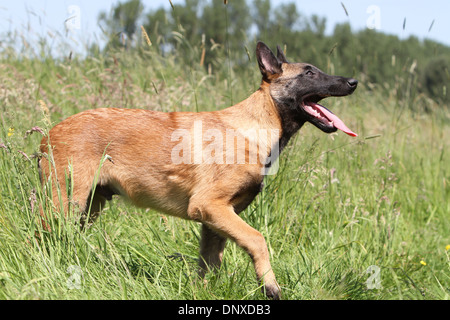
[300,86]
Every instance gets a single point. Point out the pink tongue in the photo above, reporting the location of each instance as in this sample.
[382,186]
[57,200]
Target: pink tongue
[338,123]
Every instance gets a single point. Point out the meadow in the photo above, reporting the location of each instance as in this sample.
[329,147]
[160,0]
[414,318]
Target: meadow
[344,218]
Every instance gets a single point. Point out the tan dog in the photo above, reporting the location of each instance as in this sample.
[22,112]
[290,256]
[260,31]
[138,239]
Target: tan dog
[206,166]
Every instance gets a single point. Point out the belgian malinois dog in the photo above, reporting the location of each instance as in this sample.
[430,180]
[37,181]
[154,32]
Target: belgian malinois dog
[202,166]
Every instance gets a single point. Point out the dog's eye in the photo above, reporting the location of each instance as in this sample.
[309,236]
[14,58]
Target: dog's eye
[309,73]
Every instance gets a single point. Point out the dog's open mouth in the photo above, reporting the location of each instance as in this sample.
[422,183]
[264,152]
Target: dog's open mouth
[327,118]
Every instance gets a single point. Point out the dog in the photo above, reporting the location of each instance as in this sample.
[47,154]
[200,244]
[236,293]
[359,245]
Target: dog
[179,163]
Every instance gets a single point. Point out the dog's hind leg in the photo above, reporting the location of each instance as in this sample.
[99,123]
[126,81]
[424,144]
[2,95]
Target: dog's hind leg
[211,250]
[70,193]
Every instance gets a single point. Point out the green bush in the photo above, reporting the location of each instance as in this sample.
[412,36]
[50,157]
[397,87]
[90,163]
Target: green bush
[436,78]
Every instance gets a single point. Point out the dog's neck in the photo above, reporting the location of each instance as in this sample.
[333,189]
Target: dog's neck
[261,111]
[289,119]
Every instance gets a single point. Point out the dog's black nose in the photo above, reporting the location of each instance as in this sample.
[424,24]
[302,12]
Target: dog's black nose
[352,83]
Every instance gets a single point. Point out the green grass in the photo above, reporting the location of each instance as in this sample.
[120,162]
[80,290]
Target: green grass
[337,206]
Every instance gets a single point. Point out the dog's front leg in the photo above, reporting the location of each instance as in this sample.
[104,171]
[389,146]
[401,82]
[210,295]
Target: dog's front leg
[222,219]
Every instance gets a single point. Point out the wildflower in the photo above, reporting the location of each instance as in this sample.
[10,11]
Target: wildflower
[25,155]
[44,107]
[145,35]
[34,129]
[423,263]
[45,111]
[2,145]
[447,247]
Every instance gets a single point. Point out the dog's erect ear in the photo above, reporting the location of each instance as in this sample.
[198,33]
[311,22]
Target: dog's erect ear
[280,55]
[269,65]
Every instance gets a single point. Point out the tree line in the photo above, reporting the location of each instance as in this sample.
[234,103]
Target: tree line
[211,30]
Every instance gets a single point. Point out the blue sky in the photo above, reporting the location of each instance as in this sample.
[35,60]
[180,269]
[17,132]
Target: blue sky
[43,16]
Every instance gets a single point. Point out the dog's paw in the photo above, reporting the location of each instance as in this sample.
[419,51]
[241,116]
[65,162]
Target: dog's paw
[272,291]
